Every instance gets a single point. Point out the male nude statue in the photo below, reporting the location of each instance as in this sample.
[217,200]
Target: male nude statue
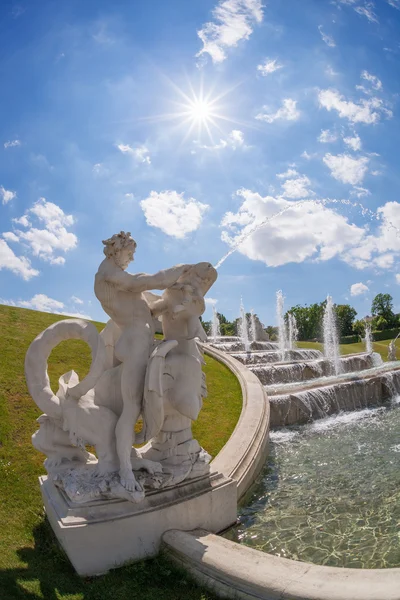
[120,294]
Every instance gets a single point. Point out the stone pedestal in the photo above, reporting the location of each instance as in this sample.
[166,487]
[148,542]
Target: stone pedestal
[104,534]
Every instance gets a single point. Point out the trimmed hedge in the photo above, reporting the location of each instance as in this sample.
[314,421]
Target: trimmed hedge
[349,339]
[385,334]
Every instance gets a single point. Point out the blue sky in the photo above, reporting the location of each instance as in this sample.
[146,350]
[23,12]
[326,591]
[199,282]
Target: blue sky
[189,123]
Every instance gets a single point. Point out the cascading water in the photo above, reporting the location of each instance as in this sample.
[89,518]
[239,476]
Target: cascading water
[331,338]
[215,325]
[293,331]
[253,330]
[368,338]
[282,332]
[243,328]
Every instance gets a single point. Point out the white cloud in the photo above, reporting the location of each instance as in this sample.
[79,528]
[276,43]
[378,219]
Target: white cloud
[380,249]
[10,236]
[24,221]
[347,169]
[366,111]
[372,79]
[172,213]
[54,237]
[395,4]
[43,303]
[140,153]
[277,231]
[328,39]
[233,22]
[288,174]
[308,156]
[330,72]
[6,195]
[303,231]
[367,11]
[269,66]
[17,264]
[76,300]
[360,192]
[211,301]
[297,188]
[287,112]
[358,288]
[234,140]
[397,278]
[327,137]
[12,143]
[99,170]
[353,141]
[362,7]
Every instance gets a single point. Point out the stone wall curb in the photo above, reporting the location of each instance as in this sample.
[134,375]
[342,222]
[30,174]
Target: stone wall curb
[241,573]
[245,453]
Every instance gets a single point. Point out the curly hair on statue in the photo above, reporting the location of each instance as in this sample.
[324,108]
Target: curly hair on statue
[118,242]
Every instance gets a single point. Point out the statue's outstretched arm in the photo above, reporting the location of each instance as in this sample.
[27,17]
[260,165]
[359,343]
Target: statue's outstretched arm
[141,282]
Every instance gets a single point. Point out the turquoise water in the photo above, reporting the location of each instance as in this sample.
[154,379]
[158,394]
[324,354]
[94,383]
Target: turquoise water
[330,493]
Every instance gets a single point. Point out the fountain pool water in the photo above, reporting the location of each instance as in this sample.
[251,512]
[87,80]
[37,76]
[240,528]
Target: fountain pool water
[329,493]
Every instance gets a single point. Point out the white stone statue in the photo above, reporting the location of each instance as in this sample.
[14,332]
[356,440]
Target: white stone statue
[131,375]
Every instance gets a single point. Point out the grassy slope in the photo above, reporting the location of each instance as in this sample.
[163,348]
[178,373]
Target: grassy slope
[31,562]
[380,347]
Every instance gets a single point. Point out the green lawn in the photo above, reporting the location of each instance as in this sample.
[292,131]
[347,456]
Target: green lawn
[380,347]
[32,566]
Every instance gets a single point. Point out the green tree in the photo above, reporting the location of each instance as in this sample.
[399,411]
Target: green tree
[272,332]
[359,327]
[382,306]
[308,319]
[227,328]
[345,316]
[380,323]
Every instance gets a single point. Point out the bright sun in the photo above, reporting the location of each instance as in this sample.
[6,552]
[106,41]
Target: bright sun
[199,113]
[200,110]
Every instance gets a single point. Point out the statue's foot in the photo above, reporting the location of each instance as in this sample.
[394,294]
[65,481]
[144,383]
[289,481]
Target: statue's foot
[128,481]
[150,466]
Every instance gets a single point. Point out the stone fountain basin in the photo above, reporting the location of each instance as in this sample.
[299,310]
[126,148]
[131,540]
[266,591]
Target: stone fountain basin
[329,395]
[300,371]
[273,356]
[238,346]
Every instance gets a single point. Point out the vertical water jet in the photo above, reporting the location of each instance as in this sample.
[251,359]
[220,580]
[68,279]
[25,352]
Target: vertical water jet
[215,326]
[282,332]
[243,328]
[331,338]
[368,338]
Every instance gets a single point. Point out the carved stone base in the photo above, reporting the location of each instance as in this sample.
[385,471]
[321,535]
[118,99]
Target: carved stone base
[103,534]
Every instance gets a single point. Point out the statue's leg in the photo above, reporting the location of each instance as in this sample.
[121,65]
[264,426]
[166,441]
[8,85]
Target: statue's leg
[132,386]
